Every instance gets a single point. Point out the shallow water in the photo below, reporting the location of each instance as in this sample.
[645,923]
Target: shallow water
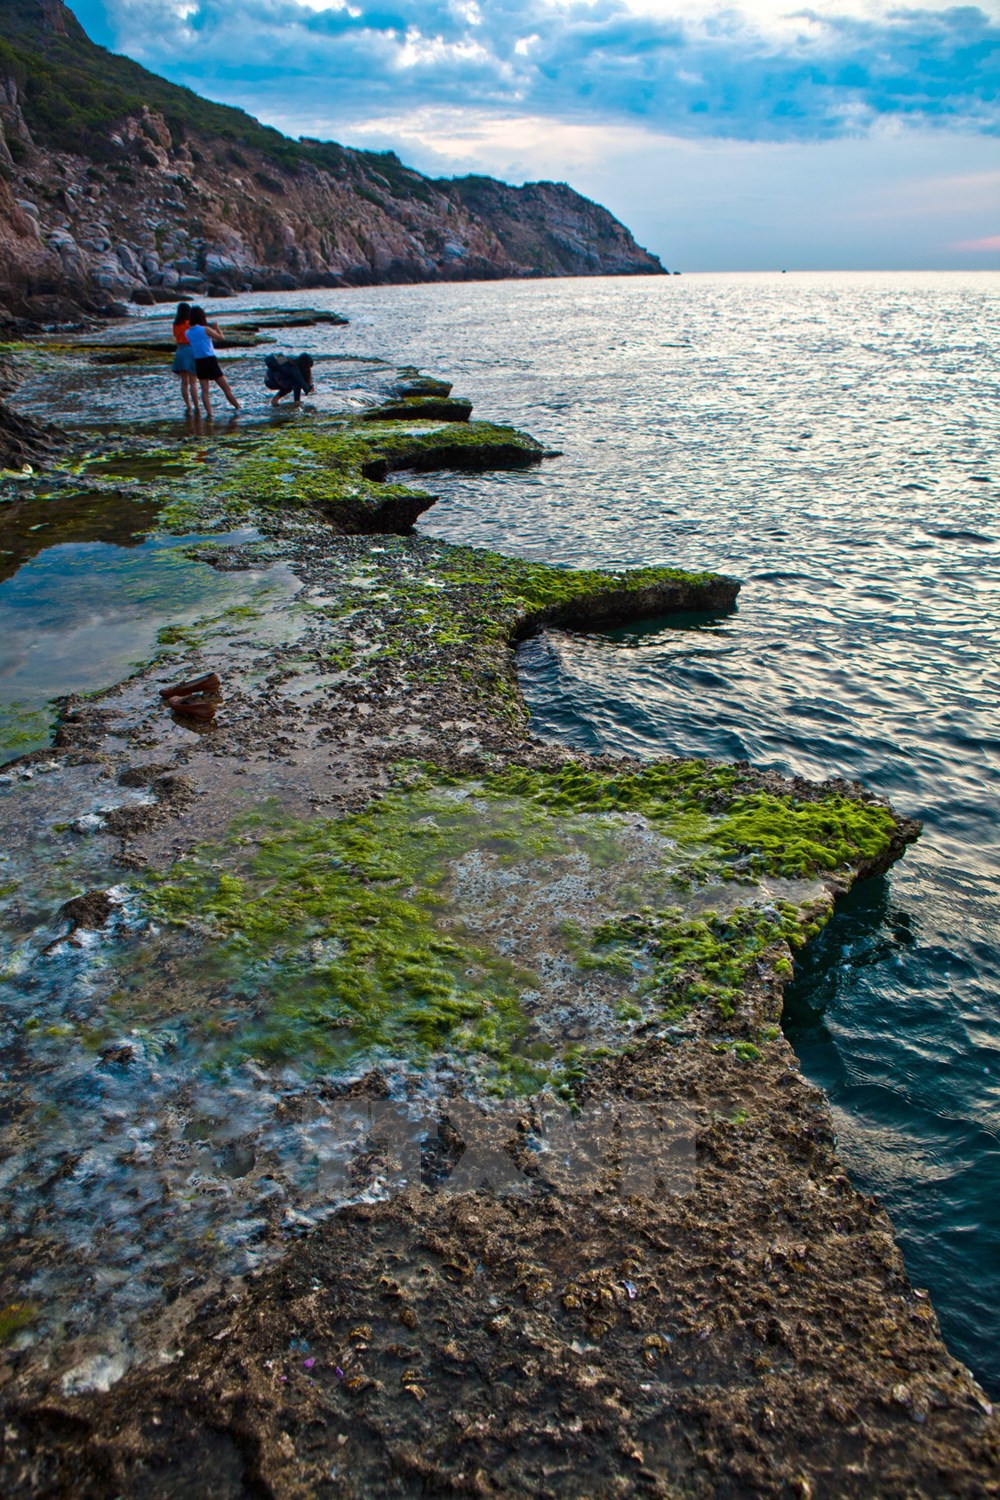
[826,439]
[78,614]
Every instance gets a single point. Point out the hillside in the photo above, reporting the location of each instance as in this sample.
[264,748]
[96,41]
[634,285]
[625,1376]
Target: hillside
[115,184]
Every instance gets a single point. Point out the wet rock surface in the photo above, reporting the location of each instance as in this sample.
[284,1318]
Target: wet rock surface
[429,408]
[24,442]
[394,1104]
[750,1339]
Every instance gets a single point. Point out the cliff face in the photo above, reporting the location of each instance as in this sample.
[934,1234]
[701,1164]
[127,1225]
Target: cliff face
[552,230]
[116,184]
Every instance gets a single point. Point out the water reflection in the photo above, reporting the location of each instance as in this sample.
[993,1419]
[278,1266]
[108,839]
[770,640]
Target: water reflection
[76,616]
[29,526]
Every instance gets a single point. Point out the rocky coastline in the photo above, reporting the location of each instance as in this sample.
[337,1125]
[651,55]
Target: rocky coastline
[116,186]
[396,1104]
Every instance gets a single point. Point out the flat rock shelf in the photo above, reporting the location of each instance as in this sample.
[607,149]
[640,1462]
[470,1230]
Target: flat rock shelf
[394,1104]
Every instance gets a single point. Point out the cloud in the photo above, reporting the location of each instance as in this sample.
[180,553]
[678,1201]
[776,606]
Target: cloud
[991,243]
[766,74]
[446,141]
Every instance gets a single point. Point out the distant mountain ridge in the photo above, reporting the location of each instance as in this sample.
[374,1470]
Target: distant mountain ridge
[116,184]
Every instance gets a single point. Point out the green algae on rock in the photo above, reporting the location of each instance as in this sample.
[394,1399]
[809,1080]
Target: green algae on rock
[289,317]
[760,832]
[22,727]
[708,958]
[419,408]
[412,383]
[338,916]
[403,930]
[335,468]
[437,612]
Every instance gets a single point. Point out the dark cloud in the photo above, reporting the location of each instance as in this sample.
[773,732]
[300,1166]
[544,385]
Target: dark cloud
[820,77]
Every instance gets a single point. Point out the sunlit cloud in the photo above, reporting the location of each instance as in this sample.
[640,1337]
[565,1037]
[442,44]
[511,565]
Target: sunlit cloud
[763,71]
[452,140]
[978,247]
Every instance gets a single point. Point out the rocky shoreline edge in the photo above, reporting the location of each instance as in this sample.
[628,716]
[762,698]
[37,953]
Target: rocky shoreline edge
[480,1036]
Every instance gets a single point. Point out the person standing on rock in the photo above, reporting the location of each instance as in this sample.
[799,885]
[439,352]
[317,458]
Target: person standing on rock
[184,358]
[200,334]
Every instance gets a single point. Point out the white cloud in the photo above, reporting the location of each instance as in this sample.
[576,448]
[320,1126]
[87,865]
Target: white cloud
[320,5]
[418,51]
[518,146]
[781,17]
[468,11]
[763,71]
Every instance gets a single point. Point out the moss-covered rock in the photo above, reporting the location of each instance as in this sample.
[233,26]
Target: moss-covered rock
[339,469]
[421,385]
[421,409]
[292,317]
[425,922]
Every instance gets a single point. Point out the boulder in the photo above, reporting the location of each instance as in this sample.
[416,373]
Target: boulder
[51,308]
[421,385]
[130,262]
[221,265]
[69,252]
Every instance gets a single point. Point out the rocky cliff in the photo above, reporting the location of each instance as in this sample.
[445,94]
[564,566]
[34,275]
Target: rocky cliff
[546,226]
[119,185]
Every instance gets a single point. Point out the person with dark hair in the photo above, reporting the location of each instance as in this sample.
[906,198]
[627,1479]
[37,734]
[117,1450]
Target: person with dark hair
[184,358]
[200,334]
[288,376]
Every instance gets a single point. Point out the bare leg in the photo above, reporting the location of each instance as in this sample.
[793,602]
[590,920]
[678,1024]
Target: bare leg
[223,385]
[206,397]
[277,398]
[186,393]
[191,381]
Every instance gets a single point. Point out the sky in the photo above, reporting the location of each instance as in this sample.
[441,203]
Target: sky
[849,134]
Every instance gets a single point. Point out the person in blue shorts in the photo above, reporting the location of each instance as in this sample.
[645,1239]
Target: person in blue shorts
[183,364]
[200,334]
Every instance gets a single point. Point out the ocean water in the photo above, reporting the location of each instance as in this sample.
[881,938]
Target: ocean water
[832,441]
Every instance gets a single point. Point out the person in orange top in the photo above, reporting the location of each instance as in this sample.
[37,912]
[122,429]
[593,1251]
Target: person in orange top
[184,358]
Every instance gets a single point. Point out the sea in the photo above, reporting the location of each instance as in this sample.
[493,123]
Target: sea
[832,441]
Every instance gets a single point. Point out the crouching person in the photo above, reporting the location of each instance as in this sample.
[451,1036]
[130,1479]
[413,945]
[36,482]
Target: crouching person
[289,377]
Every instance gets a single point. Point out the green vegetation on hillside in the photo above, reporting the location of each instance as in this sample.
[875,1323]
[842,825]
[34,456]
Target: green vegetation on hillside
[74,93]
